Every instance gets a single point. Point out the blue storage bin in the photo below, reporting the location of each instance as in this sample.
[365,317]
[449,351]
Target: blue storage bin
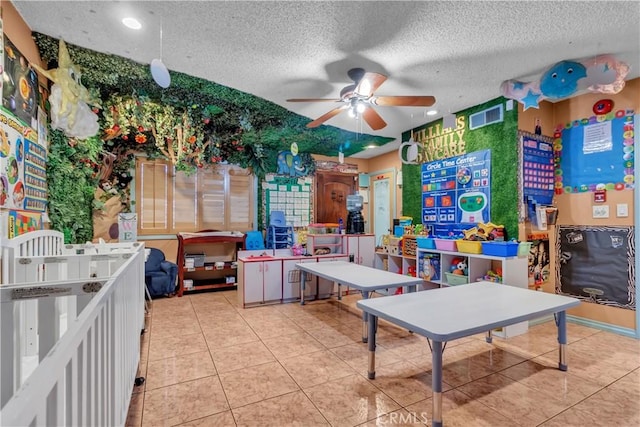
[425,242]
[505,249]
[398,230]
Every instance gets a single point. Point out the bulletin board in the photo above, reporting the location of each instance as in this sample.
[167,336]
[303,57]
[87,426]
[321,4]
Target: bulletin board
[294,197]
[537,168]
[596,264]
[595,153]
[23,177]
[457,189]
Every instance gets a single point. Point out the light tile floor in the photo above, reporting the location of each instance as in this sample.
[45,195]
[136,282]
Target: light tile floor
[208,362]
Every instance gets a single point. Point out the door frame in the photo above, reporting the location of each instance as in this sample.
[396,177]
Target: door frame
[392,172]
[316,192]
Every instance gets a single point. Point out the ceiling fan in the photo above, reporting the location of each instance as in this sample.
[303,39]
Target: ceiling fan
[357,99]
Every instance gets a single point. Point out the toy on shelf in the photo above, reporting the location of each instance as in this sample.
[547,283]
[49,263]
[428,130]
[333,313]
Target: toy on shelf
[459,266]
[430,266]
[411,271]
[494,276]
[485,232]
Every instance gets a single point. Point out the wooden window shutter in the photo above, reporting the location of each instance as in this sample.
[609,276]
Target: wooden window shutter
[185,201]
[152,194]
[240,213]
[212,196]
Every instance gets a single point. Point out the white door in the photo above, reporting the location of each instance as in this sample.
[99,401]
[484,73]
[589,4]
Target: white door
[383,204]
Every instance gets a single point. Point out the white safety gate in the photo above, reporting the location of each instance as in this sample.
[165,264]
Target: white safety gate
[70,323]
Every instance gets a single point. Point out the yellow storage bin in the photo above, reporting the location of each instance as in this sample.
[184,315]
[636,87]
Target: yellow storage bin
[469,246]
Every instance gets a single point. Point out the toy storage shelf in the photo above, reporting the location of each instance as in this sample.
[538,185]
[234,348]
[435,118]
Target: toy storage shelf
[324,244]
[217,247]
[514,273]
[394,263]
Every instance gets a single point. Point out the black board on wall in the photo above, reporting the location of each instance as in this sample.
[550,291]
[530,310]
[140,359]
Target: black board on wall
[597,264]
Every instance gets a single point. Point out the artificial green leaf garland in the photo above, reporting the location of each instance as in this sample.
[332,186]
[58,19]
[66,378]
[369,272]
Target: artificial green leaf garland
[194,123]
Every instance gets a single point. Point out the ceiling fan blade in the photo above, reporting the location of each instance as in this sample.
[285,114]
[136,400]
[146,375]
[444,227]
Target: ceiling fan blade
[373,119]
[369,83]
[404,101]
[320,120]
[313,100]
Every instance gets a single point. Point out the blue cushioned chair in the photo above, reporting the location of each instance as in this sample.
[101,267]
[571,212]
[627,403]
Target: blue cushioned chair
[160,275]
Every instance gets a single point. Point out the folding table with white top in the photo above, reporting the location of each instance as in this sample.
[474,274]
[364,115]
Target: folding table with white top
[360,277]
[447,314]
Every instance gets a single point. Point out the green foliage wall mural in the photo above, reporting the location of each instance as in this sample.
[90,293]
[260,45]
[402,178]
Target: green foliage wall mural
[194,123]
[502,140]
[72,177]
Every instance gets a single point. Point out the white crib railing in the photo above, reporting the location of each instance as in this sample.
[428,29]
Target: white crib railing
[84,313]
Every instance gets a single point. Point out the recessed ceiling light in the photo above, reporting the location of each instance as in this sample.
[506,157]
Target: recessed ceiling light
[132,23]
[432,112]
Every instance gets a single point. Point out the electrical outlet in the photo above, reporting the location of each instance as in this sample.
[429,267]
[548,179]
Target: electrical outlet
[622,210]
[601,211]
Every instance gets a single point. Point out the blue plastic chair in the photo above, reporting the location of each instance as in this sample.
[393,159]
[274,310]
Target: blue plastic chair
[254,240]
[277,218]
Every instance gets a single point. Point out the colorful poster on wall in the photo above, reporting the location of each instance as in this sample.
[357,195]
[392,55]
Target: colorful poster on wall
[537,168]
[457,189]
[595,153]
[35,175]
[20,87]
[23,180]
[22,222]
[1,55]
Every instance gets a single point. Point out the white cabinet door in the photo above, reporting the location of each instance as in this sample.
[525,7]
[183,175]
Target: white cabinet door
[350,246]
[272,275]
[362,247]
[291,279]
[253,282]
[366,250]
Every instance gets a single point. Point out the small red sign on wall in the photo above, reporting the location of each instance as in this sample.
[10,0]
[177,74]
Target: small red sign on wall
[600,196]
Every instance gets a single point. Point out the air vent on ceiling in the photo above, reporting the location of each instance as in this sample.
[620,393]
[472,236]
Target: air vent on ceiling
[486,117]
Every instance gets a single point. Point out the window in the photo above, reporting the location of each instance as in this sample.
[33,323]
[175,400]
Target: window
[169,201]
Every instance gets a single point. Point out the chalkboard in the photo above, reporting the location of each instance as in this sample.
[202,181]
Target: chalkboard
[597,264]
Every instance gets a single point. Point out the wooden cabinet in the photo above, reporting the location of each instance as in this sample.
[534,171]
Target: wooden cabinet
[260,282]
[361,246]
[215,259]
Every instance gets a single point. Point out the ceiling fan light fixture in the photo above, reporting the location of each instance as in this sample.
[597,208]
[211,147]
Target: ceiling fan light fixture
[352,113]
[360,107]
[132,23]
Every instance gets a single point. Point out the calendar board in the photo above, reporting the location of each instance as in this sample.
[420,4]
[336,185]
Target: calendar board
[293,197]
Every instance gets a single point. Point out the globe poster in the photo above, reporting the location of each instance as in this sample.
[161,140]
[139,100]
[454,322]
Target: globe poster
[456,190]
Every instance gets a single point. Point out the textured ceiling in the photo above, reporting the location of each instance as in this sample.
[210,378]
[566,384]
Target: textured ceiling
[460,52]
